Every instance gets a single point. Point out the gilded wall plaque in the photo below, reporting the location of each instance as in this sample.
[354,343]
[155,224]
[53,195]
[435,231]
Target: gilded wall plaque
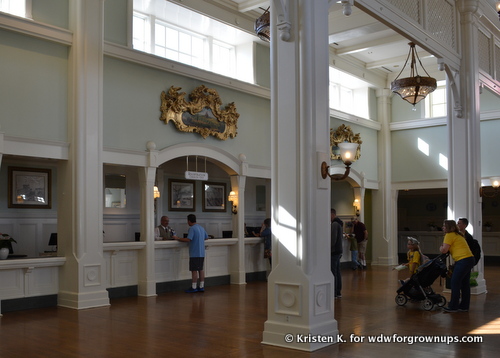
[202,114]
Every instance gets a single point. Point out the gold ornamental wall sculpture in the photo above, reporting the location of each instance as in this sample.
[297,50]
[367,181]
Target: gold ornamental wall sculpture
[202,114]
[343,134]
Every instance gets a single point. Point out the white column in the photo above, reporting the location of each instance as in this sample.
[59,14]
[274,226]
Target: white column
[300,285]
[384,251]
[146,259]
[80,179]
[464,133]
[237,268]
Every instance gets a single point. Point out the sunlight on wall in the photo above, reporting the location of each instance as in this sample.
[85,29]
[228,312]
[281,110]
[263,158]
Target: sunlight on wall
[423,146]
[443,161]
[285,231]
[492,327]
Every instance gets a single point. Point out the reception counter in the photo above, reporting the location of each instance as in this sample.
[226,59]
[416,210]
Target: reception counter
[38,277]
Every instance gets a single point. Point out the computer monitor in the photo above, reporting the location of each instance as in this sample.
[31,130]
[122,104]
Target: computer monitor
[53,241]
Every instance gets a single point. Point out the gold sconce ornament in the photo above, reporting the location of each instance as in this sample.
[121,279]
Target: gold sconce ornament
[345,146]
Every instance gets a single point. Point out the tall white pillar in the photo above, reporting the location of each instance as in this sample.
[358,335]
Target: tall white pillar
[80,235]
[146,259]
[464,133]
[300,285]
[237,252]
[384,252]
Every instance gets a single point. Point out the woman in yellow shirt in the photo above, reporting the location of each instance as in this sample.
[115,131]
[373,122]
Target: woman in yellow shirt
[454,243]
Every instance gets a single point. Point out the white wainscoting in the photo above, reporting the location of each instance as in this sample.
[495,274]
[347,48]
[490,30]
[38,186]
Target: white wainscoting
[29,277]
[32,232]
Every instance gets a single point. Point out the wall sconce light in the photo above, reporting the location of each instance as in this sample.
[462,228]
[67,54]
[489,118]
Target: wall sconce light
[156,192]
[357,206]
[346,6]
[497,6]
[234,199]
[415,88]
[495,183]
[347,155]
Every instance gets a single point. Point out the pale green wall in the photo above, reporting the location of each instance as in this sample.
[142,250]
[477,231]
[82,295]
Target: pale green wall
[132,111]
[489,101]
[262,65]
[52,12]
[403,111]
[342,197]
[115,21]
[409,163]
[33,91]
[490,158]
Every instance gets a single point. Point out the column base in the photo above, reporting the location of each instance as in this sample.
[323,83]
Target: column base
[304,338]
[76,300]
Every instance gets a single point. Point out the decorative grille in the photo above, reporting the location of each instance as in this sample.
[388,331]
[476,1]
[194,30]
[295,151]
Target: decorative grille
[484,53]
[497,63]
[410,8]
[440,19]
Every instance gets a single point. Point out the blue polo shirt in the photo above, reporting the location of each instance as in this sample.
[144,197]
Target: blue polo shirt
[197,236]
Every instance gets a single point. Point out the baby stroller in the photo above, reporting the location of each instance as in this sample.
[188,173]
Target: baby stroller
[418,287]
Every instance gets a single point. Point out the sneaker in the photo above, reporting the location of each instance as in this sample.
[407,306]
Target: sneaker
[191,290]
[201,289]
[449,310]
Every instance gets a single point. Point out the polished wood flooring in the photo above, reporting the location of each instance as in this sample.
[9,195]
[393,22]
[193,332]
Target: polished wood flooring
[227,321]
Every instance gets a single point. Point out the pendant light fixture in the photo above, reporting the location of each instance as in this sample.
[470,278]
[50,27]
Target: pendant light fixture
[415,88]
[263,26]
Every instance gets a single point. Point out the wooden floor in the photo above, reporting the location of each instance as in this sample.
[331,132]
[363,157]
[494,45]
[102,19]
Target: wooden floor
[227,321]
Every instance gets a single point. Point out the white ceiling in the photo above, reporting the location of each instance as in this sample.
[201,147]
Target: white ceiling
[358,36]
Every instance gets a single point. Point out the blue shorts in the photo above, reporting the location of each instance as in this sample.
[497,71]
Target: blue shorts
[196,263]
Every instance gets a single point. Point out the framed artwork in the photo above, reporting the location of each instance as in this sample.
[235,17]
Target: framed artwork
[201,114]
[30,188]
[181,195]
[214,196]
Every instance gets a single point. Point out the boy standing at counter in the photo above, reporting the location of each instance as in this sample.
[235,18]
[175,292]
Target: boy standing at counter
[196,238]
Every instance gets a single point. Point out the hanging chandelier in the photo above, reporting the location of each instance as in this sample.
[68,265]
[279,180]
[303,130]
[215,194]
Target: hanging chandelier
[415,88]
[263,26]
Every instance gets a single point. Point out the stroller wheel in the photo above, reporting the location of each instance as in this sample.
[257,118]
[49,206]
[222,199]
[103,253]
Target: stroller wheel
[427,304]
[401,299]
[442,301]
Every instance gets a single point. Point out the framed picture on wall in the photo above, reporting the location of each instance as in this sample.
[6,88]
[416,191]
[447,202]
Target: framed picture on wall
[29,188]
[181,195]
[214,196]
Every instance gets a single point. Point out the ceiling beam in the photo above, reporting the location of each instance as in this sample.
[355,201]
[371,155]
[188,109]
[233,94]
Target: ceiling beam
[395,60]
[248,5]
[369,44]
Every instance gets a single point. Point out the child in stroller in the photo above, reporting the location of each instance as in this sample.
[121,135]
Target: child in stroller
[414,256]
[418,286]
